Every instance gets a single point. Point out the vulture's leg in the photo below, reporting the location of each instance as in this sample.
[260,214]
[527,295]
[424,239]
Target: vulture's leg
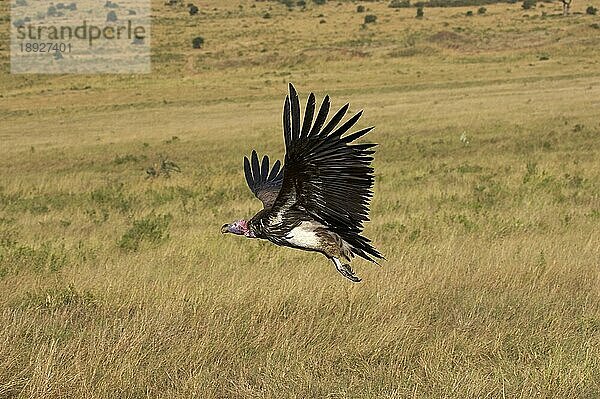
[345,270]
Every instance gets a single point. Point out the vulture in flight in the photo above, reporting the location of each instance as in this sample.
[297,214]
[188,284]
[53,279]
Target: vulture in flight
[319,200]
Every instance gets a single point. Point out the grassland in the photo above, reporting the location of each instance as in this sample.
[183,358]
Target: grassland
[117,286]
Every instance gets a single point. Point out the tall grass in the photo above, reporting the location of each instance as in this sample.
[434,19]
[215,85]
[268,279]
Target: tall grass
[487,206]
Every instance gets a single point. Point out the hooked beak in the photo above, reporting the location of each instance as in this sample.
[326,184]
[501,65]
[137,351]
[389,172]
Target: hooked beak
[239,227]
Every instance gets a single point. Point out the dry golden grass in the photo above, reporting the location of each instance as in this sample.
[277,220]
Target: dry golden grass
[114,285]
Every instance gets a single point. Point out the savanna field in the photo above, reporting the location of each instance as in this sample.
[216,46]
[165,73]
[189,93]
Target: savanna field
[486,206]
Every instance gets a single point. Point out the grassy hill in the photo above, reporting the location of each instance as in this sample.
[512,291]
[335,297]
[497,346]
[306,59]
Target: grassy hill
[487,208]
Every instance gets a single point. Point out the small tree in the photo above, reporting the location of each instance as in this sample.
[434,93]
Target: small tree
[469,13]
[481,11]
[420,12]
[360,9]
[591,10]
[193,9]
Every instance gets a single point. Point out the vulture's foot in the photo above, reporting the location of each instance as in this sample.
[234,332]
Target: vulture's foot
[345,270]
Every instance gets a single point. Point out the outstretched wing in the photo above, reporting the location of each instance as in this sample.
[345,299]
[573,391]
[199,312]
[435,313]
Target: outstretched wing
[263,184]
[325,173]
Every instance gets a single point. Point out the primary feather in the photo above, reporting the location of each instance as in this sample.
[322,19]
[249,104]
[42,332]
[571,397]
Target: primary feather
[263,184]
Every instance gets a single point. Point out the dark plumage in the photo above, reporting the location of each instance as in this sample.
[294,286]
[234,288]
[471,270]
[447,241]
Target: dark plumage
[320,199]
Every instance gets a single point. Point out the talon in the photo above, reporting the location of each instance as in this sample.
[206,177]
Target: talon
[345,270]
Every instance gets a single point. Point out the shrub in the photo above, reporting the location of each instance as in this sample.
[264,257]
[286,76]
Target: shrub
[17,258]
[482,10]
[370,18]
[420,12]
[111,16]
[266,15]
[399,4]
[469,13]
[459,3]
[152,229]
[591,10]
[193,9]
[197,42]
[320,2]
[360,9]
[528,4]
[112,196]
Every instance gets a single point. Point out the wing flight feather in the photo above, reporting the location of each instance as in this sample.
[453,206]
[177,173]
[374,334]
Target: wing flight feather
[325,174]
[264,184]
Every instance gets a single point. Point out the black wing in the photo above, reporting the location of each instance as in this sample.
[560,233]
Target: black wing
[263,184]
[324,173]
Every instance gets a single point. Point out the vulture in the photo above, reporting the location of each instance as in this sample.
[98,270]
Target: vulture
[319,200]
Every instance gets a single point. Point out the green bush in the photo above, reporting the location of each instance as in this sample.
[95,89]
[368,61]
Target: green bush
[399,4]
[17,258]
[112,196]
[197,42]
[111,16]
[370,18]
[320,2]
[360,9]
[591,10]
[528,4]
[152,229]
[481,11]
[459,3]
[420,12]
[469,13]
